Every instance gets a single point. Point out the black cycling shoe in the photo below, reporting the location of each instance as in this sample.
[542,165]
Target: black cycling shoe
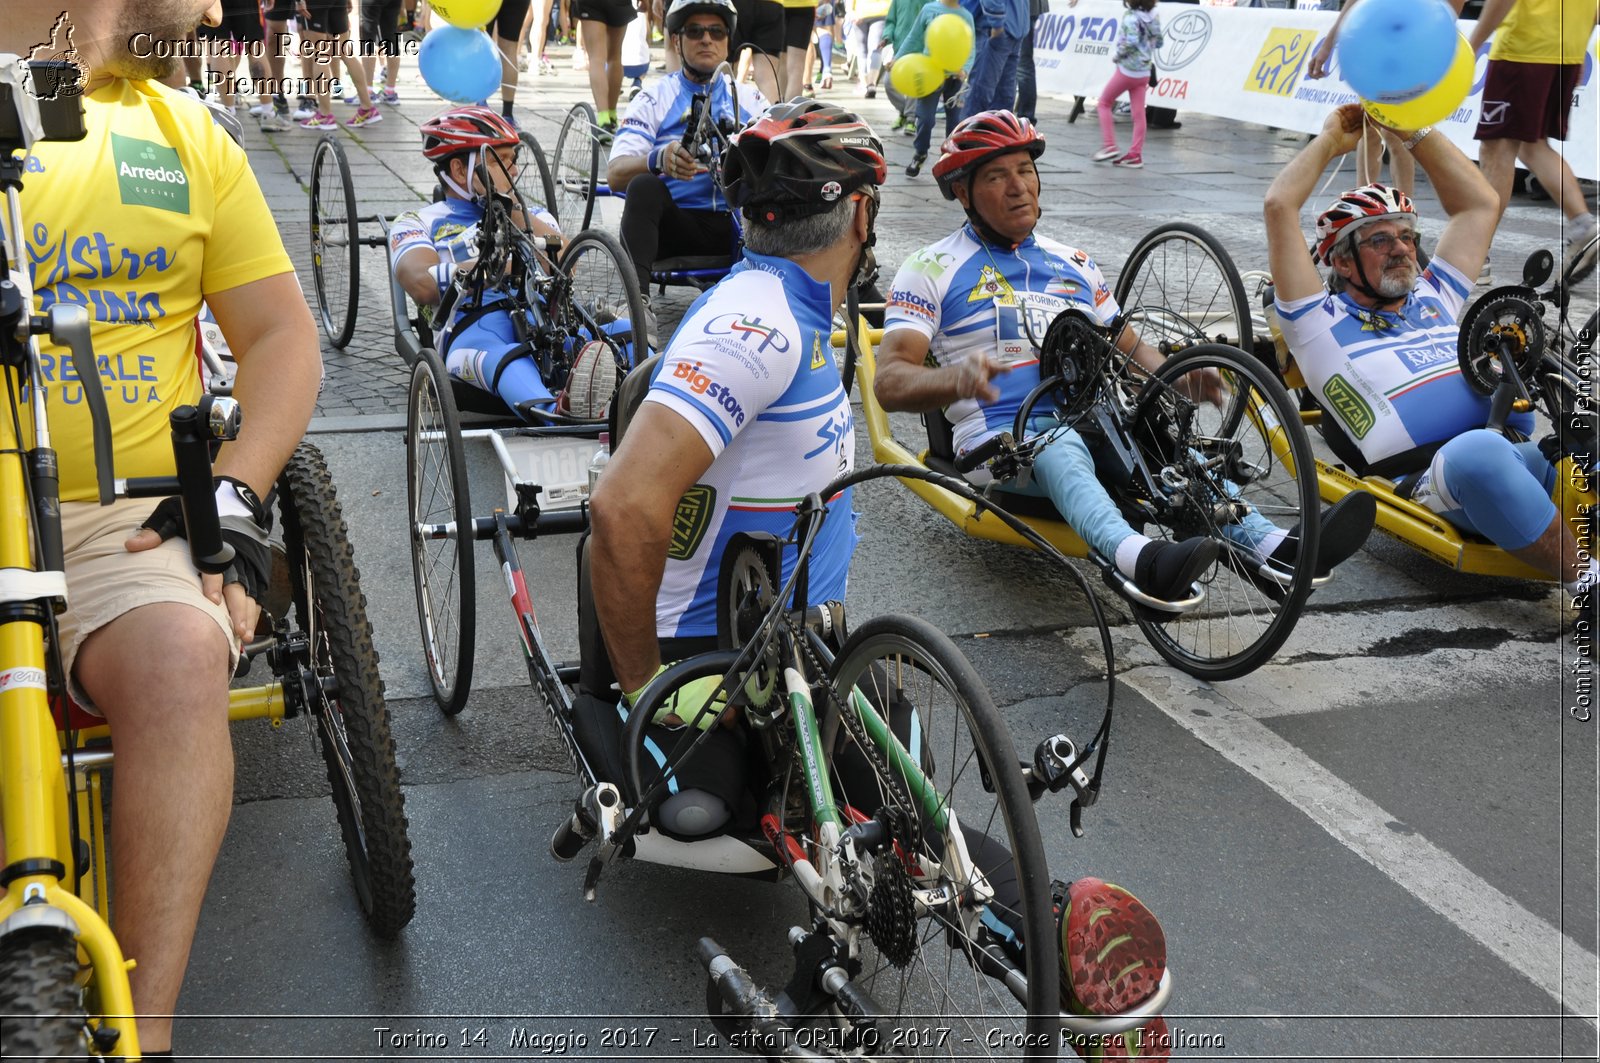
[1166,570]
[1345,527]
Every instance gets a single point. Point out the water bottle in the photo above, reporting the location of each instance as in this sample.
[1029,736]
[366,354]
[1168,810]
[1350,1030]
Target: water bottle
[597,464]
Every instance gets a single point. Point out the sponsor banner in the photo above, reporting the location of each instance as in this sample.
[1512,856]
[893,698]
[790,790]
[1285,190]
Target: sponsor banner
[1249,64]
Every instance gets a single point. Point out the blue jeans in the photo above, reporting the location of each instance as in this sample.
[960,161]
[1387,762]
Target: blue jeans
[994,72]
[1027,83]
[1065,469]
[927,107]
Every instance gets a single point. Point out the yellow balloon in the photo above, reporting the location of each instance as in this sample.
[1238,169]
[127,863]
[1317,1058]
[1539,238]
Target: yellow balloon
[468,14]
[1438,103]
[915,75]
[949,41]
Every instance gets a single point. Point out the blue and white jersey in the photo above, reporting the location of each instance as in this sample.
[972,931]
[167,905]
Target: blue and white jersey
[751,368]
[971,298]
[1391,378]
[660,115]
[450,229]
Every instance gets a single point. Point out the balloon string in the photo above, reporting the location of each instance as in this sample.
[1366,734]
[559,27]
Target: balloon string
[1338,164]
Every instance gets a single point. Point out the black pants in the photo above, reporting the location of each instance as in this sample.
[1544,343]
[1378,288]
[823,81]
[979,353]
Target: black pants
[652,220]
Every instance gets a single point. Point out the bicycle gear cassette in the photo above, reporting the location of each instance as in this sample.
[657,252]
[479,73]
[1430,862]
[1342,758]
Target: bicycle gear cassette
[891,909]
[1506,323]
[1075,349]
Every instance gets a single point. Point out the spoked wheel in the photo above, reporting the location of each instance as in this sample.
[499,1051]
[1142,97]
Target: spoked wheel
[927,916]
[576,169]
[40,997]
[345,692]
[535,183]
[602,303]
[440,530]
[1180,288]
[335,241]
[1232,472]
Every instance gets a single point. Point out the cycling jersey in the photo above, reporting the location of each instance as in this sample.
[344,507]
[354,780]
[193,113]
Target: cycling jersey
[762,389]
[971,298]
[1391,378]
[189,221]
[660,115]
[450,229]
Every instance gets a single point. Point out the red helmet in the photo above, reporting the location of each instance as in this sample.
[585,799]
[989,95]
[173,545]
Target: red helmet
[800,158]
[466,129]
[1356,208]
[986,135]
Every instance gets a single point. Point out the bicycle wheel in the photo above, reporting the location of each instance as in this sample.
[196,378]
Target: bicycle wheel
[923,961]
[335,241]
[1179,287]
[576,169]
[602,291]
[1215,470]
[40,997]
[347,705]
[441,563]
[534,181]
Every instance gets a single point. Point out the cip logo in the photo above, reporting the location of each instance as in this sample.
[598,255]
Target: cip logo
[747,328]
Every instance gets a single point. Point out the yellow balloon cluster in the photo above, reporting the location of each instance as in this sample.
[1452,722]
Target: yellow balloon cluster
[949,41]
[915,75]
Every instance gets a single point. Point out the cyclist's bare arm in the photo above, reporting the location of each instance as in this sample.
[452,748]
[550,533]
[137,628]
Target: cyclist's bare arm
[905,382]
[660,458]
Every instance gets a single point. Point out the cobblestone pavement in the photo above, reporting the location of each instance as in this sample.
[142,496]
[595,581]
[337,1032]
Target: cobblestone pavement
[1211,172]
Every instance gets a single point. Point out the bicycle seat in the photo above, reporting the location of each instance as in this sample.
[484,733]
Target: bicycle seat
[689,263]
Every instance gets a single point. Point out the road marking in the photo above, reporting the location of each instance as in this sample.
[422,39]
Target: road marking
[1490,917]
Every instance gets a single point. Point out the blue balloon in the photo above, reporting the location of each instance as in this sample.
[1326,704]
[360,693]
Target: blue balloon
[459,64]
[1392,51]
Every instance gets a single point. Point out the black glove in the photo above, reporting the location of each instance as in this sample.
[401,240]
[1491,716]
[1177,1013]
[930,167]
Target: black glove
[247,534]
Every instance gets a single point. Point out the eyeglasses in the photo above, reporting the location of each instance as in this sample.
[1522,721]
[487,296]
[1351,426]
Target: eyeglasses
[695,33]
[1383,243]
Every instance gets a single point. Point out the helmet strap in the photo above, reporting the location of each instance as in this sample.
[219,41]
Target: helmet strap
[983,228]
[1364,284]
[867,261]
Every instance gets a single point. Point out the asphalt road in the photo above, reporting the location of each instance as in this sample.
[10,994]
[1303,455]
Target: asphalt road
[1382,845]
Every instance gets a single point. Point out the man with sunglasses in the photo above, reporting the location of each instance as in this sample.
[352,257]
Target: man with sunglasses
[431,245]
[1377,345]
[673,200]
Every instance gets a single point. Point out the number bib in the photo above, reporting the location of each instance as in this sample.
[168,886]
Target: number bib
[1021,322]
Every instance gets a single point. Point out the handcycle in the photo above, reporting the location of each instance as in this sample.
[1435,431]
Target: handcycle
[63,976]
[1175,466]
[914,843]
[1188,270]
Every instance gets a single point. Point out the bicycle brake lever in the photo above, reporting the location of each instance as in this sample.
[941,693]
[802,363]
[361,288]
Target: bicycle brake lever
[69,326]
[1075,818]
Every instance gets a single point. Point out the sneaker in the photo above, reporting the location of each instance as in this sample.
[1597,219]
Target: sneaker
[1130,162]
[546,67]
[261,110]
[632,91]
[351,100]
[319,121]
[916,165]
[366,116]
[1106,154]
[522,63]
[306,108]
[1578,256]
[590,384]
[390,97]
[1167,570]
[1344,525]
[274,122]
[1113,955]
[871,92]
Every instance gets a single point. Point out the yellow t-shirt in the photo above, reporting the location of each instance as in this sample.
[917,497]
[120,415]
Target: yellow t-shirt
[1545,31]
[154,209]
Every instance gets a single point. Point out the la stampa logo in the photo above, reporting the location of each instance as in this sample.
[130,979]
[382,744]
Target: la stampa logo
[54,84]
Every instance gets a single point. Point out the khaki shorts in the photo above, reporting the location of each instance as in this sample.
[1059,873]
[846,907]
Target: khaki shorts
[104,580]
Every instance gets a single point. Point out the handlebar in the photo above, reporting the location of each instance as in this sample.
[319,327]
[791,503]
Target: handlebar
[194,428]
[985,452]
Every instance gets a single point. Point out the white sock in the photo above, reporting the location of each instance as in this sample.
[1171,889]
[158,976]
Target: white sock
[1586,579]
[1265,547]
[1128,553]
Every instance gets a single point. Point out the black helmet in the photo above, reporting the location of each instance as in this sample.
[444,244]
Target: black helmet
[800,158]
[680,11]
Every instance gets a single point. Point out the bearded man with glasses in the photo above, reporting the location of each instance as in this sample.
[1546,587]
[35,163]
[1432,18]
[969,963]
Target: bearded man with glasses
[1377,345]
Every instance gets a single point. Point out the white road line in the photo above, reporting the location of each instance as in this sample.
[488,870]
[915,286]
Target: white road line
[1496,921]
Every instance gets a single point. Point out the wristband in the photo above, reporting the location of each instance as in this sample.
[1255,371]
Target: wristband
[443,273]
[653,160]
[235,498]
[1411,142]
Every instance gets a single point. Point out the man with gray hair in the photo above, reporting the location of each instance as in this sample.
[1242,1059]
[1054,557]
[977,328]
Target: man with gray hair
[745,415]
